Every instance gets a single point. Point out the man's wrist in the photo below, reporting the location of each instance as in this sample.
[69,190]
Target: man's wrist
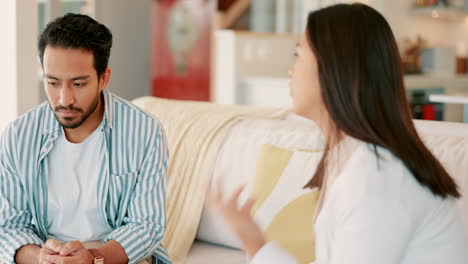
[28,254]
[97,256]
[113,252]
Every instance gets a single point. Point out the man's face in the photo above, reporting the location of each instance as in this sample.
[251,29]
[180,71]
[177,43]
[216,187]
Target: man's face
[71,84]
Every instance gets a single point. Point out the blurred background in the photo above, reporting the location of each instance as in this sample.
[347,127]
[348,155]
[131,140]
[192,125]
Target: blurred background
[232,51]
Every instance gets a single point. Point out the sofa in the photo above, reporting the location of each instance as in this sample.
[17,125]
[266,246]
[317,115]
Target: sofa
[237,154]
[211,241]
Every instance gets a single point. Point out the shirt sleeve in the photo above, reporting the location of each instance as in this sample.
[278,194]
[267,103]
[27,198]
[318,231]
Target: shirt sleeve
[145,221]
[16,228]
[376,230]
[272,253]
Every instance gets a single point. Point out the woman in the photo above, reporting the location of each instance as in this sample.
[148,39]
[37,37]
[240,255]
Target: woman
[385,197]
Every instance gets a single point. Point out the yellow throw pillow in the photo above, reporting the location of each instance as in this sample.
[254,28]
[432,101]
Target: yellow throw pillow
[284,209]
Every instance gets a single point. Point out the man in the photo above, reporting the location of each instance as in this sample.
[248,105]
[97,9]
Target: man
[84,166]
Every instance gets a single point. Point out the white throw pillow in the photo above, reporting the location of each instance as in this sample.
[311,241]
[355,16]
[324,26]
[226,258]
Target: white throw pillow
[236,163]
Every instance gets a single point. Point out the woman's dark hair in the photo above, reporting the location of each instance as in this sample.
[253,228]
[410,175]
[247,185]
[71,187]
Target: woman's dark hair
[362,87]
[77,31]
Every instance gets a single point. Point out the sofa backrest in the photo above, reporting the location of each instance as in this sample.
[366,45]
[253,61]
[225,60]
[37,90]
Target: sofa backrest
[237,158]
[449,143]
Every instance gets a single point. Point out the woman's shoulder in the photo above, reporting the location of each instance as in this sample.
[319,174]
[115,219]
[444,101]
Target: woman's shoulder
[375,173]
[375,186]
[374,167]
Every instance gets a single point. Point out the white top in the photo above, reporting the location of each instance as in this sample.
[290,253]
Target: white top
[73,210]
[376,212]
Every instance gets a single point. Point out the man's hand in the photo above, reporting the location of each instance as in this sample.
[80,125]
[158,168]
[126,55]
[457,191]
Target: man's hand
[72,252]
[50,248]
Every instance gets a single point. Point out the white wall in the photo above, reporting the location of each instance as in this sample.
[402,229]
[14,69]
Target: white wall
[27,55]
[18,66]
[8,63]
[404,24]
[461,31]
[130,23]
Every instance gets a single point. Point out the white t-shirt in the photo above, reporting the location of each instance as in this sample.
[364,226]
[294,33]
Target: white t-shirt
[73,209]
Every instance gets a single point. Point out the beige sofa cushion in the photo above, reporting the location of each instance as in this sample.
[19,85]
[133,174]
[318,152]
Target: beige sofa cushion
[204,253]
[284,209]
[236,163]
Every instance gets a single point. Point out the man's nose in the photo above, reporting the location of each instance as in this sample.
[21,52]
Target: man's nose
[66,96]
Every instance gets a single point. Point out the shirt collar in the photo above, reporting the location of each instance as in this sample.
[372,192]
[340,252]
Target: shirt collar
[52,126]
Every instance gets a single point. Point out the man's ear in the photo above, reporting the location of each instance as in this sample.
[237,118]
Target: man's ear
[105,79]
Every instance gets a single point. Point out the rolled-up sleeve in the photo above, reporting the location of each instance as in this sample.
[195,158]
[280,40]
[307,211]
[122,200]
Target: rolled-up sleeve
[16,228]
[145,221]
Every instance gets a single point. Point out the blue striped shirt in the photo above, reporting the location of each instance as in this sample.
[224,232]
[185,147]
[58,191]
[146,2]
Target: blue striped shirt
[132,186]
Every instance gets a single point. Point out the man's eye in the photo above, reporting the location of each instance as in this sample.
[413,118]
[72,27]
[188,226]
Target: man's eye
[79,84]
[52,83]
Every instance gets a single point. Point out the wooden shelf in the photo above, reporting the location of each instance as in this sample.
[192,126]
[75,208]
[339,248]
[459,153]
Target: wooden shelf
[418,81]
[437,12]
[412,82]
[449,99]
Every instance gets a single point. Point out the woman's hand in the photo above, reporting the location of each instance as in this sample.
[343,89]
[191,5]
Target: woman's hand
[239,219]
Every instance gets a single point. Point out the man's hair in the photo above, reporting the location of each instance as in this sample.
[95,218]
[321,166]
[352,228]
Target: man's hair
[75,31]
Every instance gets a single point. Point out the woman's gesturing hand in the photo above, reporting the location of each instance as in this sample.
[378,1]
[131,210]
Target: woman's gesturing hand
[239,219]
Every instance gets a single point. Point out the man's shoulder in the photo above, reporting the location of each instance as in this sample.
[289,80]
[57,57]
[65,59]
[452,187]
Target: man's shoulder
[138,128]
[125,111]
[30,121]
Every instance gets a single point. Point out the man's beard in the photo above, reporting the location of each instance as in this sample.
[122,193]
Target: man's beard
[78,123]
